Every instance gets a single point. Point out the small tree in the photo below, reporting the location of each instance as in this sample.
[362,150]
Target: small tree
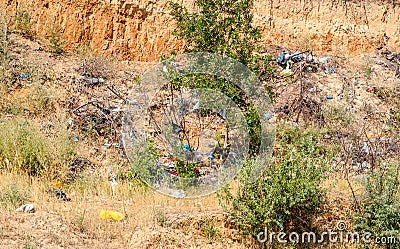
[55,39]
[289,193]
[381,206]
[220,26]
[23,25]
[223,27]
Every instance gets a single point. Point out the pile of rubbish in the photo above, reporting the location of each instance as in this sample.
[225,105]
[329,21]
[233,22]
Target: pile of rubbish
[311,63]
[392,61]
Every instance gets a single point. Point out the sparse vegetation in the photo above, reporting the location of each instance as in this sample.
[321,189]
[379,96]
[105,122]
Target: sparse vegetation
[161,218]
[12,196]
[60,129]
[23,24]
[24,149]
[55,39]
[209,229]
[381,206]
[97,66]
[288,195]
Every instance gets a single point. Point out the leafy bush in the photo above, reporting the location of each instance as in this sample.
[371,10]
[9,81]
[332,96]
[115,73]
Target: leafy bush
[288,194]
[381,205]
[223,27]
[220,26]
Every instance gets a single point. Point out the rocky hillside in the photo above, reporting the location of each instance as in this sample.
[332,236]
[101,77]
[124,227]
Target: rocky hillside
[141,30]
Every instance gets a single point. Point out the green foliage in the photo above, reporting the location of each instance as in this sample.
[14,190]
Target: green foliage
[24,149]
[223,27]
[220,26]
[144,158]
[209,229]
[381,205]
[29,246]
[56,42]
[12,196]
[185,169]
[288,194]
[161,218]
[23,25]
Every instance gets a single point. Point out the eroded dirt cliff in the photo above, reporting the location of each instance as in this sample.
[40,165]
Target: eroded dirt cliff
[142,29]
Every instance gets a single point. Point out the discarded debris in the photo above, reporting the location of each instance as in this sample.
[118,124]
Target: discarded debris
[113,183]
[26,208]
[56,183]
[185,147]
[109,214]
[60,194]
[287,72]
[24,76]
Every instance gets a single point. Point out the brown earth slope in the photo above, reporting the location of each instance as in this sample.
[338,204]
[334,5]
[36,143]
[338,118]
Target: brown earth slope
[142,29]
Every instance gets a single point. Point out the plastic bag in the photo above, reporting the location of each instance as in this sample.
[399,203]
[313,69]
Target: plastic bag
[109,214]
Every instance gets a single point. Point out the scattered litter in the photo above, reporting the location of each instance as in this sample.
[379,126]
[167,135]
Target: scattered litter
[366,148]
[287,72]
[210,157]
[75,139]
[297,57]
[283,58]
[71,123]
[93,81]
[179,193]
[60,194]
[26,208]
[267,115]
[56,183]
[329,97]
[311,58]
[176,128]
[109,214]
[279,217]
[24,76]
[371,88]
[185,147]
[113,184]
[324,60]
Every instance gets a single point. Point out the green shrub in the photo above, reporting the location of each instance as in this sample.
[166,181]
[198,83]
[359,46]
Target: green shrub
[23,25]
[24,149]
[210,231]
[381,205]
[12,196]
[56,43]
[220,26]
[288,194]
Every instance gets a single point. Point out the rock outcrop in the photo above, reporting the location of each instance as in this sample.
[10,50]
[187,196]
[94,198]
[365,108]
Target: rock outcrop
[142,29]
